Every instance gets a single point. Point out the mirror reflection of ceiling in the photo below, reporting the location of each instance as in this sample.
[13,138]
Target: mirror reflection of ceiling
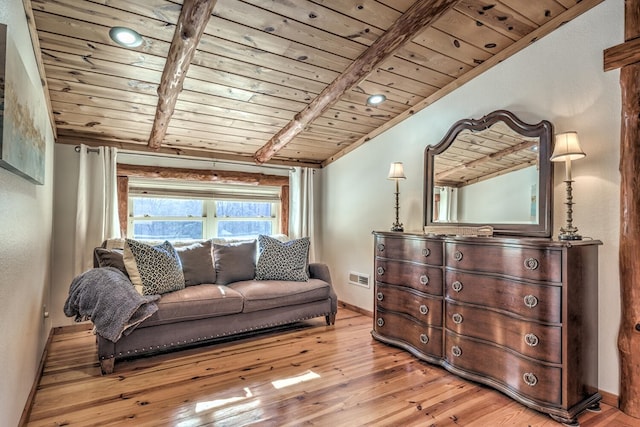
[481,155]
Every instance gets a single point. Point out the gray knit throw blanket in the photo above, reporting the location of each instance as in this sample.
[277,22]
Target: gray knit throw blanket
[107,298]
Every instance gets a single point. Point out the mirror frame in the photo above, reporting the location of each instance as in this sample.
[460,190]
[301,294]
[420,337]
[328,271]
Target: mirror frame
[543,130]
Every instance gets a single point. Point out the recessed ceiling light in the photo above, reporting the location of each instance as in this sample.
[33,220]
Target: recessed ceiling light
[376,99]
[125,37]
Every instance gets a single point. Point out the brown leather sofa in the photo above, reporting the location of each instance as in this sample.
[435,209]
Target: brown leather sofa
[210,312]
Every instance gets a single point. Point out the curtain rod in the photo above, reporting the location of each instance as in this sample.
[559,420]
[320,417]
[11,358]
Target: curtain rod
[289,168]
[89,149]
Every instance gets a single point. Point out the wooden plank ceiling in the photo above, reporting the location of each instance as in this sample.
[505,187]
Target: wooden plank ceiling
[259,64]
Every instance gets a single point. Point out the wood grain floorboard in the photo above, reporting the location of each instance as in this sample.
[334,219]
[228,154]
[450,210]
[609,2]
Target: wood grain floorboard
[349,379]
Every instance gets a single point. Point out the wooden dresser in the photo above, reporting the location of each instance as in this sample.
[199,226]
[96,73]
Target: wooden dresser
[517,314]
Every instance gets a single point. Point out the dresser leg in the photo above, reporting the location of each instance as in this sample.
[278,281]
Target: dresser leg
[594,408]
[569,422]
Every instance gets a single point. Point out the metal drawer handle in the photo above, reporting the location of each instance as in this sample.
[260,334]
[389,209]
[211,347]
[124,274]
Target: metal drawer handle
[531,263]
[380,321]
[424,309]
[530,301]
[530,379]
[424,279]
[379,296]
[456,351]
[380,247]
[457,318]
[424,339]
[457,286]
[426,252]
[380,271]
[531,340]
[457,255]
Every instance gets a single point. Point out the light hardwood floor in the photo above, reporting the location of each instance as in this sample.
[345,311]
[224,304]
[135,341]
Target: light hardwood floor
[348,379]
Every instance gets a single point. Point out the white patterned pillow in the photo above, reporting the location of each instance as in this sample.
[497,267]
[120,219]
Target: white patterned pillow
[153,270]
[283,260]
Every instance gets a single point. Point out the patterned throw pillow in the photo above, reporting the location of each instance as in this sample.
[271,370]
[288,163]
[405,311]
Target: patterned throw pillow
[153,269]
[283,260]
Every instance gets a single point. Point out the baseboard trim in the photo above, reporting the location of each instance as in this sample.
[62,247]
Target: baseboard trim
[355,308]
[34,387]
[610,399]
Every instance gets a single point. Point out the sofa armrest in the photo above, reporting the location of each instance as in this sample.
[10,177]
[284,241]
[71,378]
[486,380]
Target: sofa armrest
[319,271]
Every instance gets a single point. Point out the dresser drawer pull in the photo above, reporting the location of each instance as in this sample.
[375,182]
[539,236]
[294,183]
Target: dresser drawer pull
[380,321]
[424,339]
[457,286]
[380,247]
[530,301]
[424,279]
[457,318]
[424,309]
[457,255]
[426,252]
[380,271]
[531,263]
[531,340]
[456,351]
[530,379]
[379,296]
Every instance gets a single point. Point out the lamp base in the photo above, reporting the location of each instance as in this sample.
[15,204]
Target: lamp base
[397,227]
[569,233]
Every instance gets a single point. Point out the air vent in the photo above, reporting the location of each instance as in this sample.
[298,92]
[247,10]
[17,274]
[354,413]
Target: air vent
[359,279]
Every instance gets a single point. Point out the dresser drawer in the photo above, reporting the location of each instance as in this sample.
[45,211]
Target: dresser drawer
[528,338]
[410,249]
[425,339]
[536,380]
[416,276]
[535,302]
[520,262]
[422,307]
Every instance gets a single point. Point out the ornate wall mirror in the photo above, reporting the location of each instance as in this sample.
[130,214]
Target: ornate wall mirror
[491,171]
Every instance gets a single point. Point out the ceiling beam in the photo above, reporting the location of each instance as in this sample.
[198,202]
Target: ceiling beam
[422,14]
[193,19]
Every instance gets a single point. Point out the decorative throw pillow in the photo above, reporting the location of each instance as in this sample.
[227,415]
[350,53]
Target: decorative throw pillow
[197,263]
[111,258]
[234,262]
[153,269]
[283,260]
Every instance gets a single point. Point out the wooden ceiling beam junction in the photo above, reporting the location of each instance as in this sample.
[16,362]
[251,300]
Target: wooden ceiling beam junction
[422,14]
[193,19]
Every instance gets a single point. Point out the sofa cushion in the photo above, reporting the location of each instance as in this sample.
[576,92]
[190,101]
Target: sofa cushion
[283,260]
[153,269]
[195,302]
[234,262]
[265,294]
[197,263]
[111,258]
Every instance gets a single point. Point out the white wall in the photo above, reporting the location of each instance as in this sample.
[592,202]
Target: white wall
[559,78]
[25,252]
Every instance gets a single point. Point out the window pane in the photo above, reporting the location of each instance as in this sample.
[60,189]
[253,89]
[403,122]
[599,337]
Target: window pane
[235,209]
[166,207]
[167,230]
[243,228]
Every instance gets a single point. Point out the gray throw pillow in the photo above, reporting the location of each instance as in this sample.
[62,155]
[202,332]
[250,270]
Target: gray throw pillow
[197,263]
[234,262]
[153,269]
[111,258]
[283,260]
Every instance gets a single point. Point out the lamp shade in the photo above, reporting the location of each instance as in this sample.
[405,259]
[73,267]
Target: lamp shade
[396,171]
[567,147]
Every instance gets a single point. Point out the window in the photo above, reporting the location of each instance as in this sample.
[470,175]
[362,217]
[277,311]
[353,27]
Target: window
[194,213]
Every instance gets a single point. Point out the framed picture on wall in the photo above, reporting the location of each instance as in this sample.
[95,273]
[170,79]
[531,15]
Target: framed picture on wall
[22,118]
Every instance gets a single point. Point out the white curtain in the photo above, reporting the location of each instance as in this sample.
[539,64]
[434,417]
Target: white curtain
[301,206]
[96,203]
